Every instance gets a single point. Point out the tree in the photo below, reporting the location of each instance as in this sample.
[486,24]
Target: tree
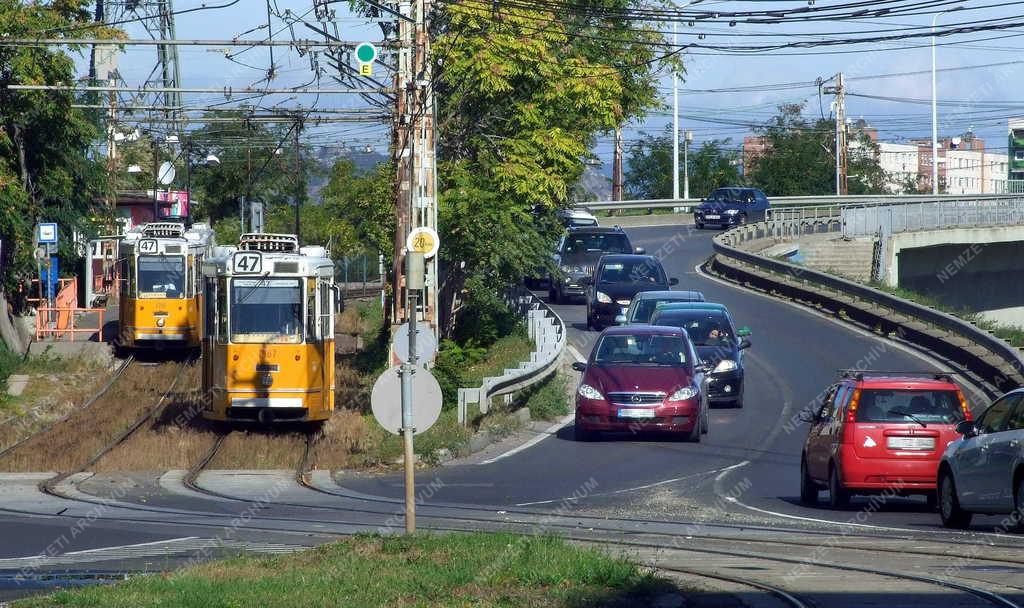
[523,93]
[799,158]
[360,208]
[46,168]
[649,176]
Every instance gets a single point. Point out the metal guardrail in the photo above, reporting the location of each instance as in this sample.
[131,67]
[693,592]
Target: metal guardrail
[549,335]
[890,219]
[1004,356]
[792,201]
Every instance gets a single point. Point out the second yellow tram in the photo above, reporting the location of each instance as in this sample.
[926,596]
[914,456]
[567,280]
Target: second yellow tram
[161,292]
[268,348]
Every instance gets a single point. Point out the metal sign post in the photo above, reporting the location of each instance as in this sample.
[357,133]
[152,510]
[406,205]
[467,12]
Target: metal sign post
[414,283]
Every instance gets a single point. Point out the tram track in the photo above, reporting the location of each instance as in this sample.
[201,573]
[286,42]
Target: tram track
[49,486]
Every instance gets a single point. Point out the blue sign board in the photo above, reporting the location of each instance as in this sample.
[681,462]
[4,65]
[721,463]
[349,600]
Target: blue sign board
[47,233]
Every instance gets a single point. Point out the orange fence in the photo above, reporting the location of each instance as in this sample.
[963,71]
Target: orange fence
[38,288]
[65,322]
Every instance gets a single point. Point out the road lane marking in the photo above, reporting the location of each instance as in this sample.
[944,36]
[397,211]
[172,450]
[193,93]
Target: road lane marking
[634,489]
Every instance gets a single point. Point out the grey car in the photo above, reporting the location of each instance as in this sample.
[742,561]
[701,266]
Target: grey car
[984,471]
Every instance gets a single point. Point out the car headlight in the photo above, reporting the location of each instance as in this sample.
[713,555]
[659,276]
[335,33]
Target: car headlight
[684,394]
[731,211]
[725,365]
[588,392]
[603,298]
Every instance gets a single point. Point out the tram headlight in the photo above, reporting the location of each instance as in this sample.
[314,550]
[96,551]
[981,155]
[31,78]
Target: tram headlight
[160,322]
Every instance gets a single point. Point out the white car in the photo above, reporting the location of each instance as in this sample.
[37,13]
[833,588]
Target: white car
[984,471]
[577,217]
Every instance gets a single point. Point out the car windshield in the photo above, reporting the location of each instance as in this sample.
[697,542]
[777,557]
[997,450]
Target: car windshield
[633,271]
[596,243]
[704,328]
[658,350]
[266,311]
[884,405]
[161,276]
[645,308]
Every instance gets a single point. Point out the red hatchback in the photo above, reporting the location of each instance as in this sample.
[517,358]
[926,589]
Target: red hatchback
[642,378]
[880,432]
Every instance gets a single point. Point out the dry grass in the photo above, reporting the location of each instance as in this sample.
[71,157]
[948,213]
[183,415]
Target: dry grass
[47,398]
[69,443]
[344,442]
[256,448]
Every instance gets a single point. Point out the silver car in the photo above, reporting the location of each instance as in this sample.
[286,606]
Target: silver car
[984,471]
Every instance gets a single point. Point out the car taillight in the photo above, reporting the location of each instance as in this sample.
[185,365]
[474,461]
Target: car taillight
[851,409]
[964,407]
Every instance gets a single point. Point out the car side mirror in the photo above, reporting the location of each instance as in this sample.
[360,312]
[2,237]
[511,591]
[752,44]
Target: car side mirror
[620,319]
[967,429]
[744,332]
[639,250]
[579,366]
[744,344]
[673,281]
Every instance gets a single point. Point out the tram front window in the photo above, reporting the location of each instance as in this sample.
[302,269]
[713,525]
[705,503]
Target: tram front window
[266,311]
[161,276]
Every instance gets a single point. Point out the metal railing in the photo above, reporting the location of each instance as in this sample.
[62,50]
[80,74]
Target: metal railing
[779,202]
[999,353]
[549,336]
[890,219]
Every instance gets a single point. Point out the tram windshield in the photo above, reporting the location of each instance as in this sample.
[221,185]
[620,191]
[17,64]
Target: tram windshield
[161,276]
[266,311]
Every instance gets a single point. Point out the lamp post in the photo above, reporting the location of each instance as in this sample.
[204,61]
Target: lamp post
[935,108]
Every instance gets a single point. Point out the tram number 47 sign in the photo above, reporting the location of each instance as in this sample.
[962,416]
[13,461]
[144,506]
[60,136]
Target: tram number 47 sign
[247,262]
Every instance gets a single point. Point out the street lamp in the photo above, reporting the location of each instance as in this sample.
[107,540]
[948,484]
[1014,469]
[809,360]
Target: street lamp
[675,107]
[935,107]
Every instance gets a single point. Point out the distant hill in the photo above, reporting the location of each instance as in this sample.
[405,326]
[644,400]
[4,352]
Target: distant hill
[326,156]
[594,185]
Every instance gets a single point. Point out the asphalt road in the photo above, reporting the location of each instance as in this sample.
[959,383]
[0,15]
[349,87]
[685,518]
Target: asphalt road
[751,454]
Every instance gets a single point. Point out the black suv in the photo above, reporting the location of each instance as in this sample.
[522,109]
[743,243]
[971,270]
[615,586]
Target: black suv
[578,253]
[731,206]
[617,279]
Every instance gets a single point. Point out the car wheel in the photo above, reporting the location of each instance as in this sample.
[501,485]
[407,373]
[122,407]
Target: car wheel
[699,225]
[705,422]
[553,295]
[949,504]
[838,496]
[738,402]
[808,489]
[743,219]
[1018,503]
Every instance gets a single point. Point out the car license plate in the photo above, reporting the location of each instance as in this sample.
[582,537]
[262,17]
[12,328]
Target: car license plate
[911,443]
[634,413]
[712,217]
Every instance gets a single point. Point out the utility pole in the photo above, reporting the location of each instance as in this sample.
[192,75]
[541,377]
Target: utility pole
[675,117]
[617,177]
[300,185]
[415,155]
[156,178]
[841,151]
[686,163]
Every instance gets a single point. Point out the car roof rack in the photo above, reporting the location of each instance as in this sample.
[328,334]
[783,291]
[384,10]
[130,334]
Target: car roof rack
[858,374]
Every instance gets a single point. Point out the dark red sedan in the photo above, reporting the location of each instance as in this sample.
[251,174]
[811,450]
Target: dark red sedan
[641,378]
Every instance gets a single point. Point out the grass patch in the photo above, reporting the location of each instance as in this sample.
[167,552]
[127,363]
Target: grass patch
[455,570]
[549,400]
[1011,333]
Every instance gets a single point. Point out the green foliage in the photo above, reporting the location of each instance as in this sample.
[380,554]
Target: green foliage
[523,93]
[46,169]
[800,158]
[360,209]
[649,173]
[549,400]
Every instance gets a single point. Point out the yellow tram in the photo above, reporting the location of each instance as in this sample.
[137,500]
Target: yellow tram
[161,290]
[268,348]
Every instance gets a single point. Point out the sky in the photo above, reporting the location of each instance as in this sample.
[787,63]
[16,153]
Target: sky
[722,93]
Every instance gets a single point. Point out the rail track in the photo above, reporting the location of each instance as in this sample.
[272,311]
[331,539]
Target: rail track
[121,369]
[49,486]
